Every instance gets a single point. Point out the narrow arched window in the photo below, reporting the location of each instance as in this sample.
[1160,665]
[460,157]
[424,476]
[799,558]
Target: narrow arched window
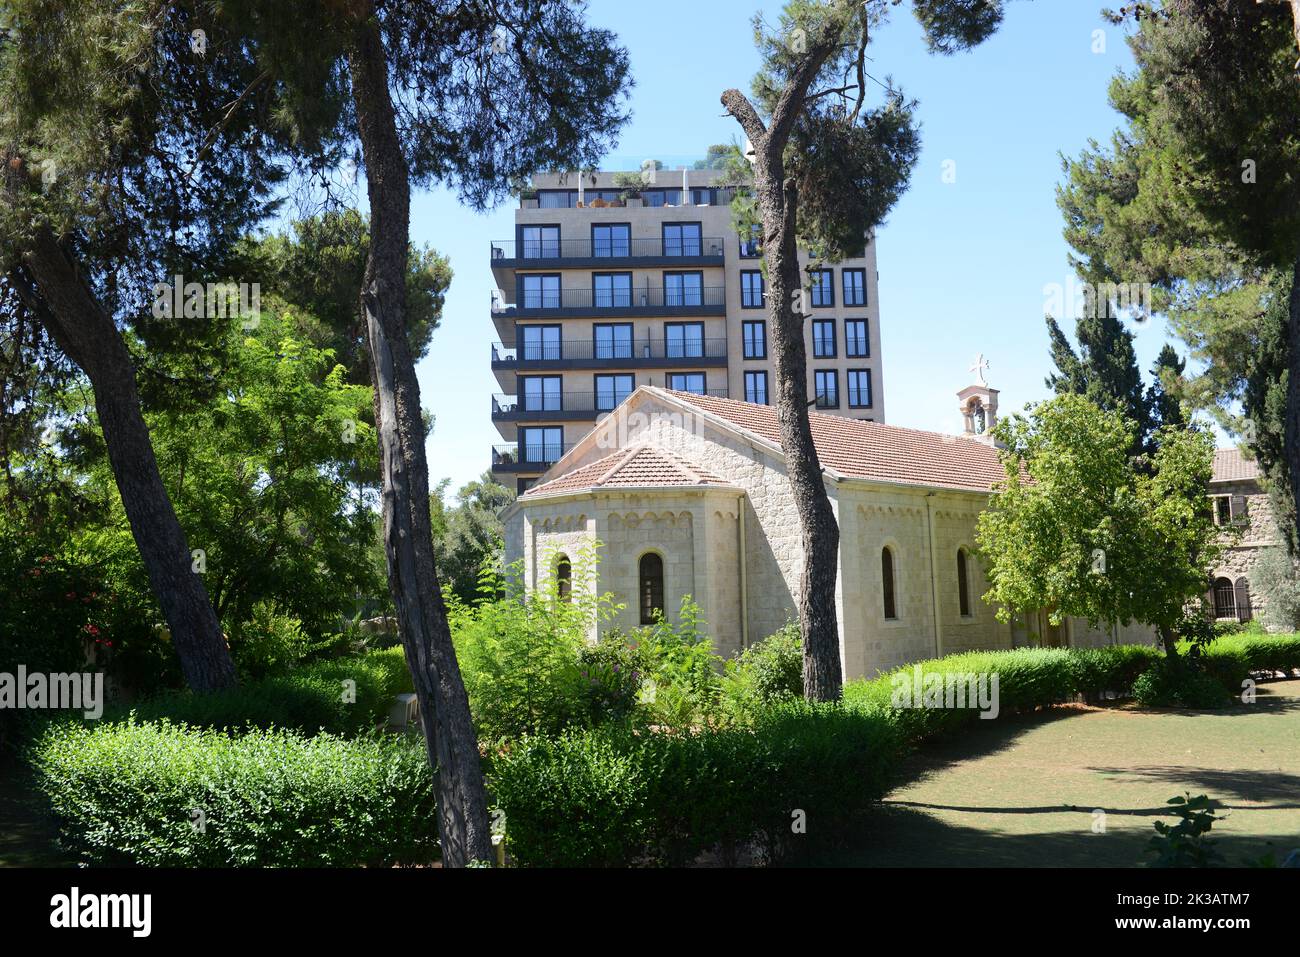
[652,588]
[1225,599]
[887,582]
[564,578]
[963,583]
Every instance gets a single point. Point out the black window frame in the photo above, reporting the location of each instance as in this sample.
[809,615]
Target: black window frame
[521,343]
[673,273]
[745,338]
[849,375]
[595,386]
[963,584]
[542,277]
[650,587]
[523,241]
[611,255]
[888,584]
[757,375]
[845,273]
[699,246]
[850,341]
[744,292]
[523,381]
[522,443]
[631,340]
[829,287]
[819,323]
[668,353]
[817,390]
[704,382]
[614,303]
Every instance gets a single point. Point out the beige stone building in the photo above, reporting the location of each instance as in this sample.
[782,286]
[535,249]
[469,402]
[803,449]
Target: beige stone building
[601,292]
[688,495]
[1243,511]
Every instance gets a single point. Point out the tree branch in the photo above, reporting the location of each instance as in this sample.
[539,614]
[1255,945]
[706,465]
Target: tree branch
[738,105]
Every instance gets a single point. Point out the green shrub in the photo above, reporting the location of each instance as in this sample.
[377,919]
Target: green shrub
[163,795]
[612,671]
[342,696]
[270,643]
[1113,668]
[628,796]
[1185,684]
[775,665]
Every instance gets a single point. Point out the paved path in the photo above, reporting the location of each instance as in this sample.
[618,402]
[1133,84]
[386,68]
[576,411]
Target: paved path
[1023,793]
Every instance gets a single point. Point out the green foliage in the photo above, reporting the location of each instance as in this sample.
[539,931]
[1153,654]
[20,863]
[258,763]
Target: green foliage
[469,539]
[1078,528]
[316,697]
[775,665]
[1276,579]
[613,671]
[269,643]
[1186,844]
[1179,684]
[683,669]
[164,795]
[520,654]
[629,797]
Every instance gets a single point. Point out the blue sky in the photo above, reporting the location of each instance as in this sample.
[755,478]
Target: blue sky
[963,265]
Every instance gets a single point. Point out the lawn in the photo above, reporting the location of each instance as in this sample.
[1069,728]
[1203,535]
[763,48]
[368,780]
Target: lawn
[1022,792]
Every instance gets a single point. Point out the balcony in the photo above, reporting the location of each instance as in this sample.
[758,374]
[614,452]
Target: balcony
[654,353]
[603,253]
[643,303]
[565,406]
[536,457]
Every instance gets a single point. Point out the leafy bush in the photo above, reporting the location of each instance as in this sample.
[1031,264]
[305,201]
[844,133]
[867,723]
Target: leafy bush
[627,796]
[684,674]
[163,795]
[775,664]
[342,696]
[1113,668]
[1186,844]
[613,671]
[269,643]
[1277,579]
[1183,684]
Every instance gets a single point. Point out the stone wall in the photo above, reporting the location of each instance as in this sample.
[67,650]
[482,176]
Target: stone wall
[1243,542]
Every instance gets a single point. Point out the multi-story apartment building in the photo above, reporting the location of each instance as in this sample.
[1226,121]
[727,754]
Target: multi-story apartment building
[600,292]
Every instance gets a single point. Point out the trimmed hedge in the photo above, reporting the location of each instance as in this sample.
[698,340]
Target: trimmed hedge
[309,700]
[165,795]
[612,796]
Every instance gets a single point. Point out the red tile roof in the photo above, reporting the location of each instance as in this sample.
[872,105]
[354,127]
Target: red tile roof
[639,466]
[871,450]
[1231,466]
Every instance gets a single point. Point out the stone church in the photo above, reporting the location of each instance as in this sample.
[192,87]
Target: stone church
[688,495]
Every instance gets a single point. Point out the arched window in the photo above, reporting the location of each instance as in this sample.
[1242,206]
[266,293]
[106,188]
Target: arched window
[887,582]
[652,588]
[564,578]
[963,584]
[1225,599]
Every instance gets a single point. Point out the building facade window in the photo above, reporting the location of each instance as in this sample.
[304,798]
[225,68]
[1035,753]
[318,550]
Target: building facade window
[887,583]
[652,588]
[684,340]
[542,343]
[682,239]
[612,341]
[751,289]
[1242,595]
[754,335]
[612,290]
[687,382]
[756,388]
[542,393]
[823,287]
[541,242]
[855,286]
[683,289]
[752,248]
[611,240]
[564,578]
[541,292]
[823,335]
[857,344]
[963,584]
[827,383]
[541,446]
[859,386]
[611,390]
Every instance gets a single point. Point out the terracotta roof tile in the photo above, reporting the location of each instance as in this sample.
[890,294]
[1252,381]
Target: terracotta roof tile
[1231,466]
[639,466]
[871,450]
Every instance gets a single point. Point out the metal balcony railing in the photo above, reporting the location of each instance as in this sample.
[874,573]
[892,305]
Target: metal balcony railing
[615,299]
[539,455]
[608,248]
[561,404]
[602,350]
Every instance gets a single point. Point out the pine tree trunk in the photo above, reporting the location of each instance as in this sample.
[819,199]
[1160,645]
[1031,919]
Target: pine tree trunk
[87,335]
[819,532]
[1291,433]
[408,539]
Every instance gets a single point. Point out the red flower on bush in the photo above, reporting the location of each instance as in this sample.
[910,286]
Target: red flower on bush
[90,630]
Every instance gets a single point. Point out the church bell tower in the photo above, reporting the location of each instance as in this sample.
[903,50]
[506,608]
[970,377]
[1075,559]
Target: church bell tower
[979,405]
